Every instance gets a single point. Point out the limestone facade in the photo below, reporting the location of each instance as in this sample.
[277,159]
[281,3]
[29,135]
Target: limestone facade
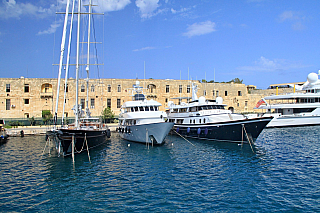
[28,97]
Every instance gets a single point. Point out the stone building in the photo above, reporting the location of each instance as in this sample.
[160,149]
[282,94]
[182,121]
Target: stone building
[28,97]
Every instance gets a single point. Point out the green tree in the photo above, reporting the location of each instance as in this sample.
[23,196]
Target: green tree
[236,81]
[32,121]
[46,116]
[107,115]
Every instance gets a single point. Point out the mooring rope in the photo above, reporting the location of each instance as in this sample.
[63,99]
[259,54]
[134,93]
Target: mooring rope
[183,138]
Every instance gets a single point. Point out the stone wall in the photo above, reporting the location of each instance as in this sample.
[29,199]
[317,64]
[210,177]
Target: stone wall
[28,97]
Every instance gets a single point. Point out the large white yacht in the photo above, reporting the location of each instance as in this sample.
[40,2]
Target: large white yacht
[141,121]
[209,120]
[294,109]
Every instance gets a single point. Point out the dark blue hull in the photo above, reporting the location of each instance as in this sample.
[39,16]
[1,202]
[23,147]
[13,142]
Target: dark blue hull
[84,139]
[233,131]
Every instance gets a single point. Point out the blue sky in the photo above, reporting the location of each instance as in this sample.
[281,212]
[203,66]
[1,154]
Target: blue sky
[261,42]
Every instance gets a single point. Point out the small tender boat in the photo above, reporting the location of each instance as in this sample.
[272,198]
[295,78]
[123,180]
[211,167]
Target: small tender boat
[294,109]
[209,120]
[3,133]
[141,121]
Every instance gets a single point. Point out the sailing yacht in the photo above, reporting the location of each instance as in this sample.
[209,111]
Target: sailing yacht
[141,120]
[86,132]
[209,120]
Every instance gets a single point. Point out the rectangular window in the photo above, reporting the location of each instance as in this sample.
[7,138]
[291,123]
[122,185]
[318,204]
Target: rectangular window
[213,93]
[109,103]
[7,87]
[46,88]
[83,88]
[225,93]
[118,103]
[92,103]
[180,88]
[26,88]
[204,92]
[188,89]
[217,93]
[26,115]
[239,93]
[82,103]
[26,101]
[66,89]
[167,88]
[92,88]
[109,88]
[246,103]
[119,88]
[8,104]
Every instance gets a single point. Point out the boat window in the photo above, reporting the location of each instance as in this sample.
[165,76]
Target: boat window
[136,109]
[175,110]
[199,121]
[193,109]
[134,122]
[183,110]
[151,108]
[141,109]
[204,120]
[194,121]
[303,110]
[156,108]
[179,121]
[132,109]
[147,108]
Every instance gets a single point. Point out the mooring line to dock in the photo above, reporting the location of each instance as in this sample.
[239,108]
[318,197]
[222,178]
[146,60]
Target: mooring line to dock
[183,138]
[85,137]
[249,140]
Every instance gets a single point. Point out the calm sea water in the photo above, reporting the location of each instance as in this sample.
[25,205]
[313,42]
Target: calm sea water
[282,175]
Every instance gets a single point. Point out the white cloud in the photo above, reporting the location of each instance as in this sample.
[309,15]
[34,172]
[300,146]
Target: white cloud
[202,28]
[52,29]
[144,48]
[111,5]
[294,18]
[147,8]
[267,65]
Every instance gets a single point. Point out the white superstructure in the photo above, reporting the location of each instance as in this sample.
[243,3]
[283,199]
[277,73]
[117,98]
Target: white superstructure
[141,121]
[294,109]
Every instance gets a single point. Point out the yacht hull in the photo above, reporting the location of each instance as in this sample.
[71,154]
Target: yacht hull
[237,131]
[294,121]
[83,139]
[153,133]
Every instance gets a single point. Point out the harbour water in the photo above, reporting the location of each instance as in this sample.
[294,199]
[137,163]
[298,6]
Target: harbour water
[281,175]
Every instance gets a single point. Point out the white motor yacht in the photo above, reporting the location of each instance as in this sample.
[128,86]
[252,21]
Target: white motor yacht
[294,109]
[209,120]
[141,121]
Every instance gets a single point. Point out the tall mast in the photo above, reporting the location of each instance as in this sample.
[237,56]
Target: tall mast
[77,67]
[63,41]
[68,61]
[88,59]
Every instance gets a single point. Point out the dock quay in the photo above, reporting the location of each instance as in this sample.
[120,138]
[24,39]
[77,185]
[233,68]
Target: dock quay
[39,130]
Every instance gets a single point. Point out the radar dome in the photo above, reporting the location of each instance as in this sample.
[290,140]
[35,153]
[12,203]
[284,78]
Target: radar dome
[312,77]
[219,100]
[202,100]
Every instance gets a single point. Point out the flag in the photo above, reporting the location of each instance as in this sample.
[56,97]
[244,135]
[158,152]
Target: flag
[260,102]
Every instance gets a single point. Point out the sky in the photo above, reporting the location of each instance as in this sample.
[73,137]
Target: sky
[261,42]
